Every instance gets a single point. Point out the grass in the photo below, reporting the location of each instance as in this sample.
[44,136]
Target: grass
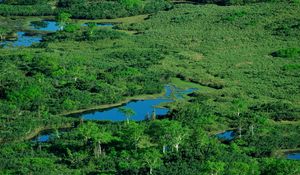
[125,20]
[282,153]
[187,85]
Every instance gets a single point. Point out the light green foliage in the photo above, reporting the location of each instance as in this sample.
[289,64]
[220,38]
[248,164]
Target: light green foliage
[127,112]
[3,31]
[168,133]
[129,161]
[91,28]
[280,166]
[133,134]
[71,28]
[152,159]
[131,3]
[63,20]
[214,167]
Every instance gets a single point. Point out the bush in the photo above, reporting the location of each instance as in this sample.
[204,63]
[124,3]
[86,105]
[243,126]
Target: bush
[21,2]
[287,53]
[26,10]
[285,27]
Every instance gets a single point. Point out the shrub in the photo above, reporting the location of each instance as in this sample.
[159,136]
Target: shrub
[287,53]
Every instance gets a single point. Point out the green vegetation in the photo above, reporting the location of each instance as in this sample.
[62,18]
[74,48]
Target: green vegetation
[244,61]
[287,53]
[82,9]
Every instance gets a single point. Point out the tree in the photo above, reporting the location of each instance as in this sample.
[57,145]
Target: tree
[129,161]
[168,133]
[239,106]
[241,168]
[63,19]
[90,131]
[127,112]
[133,133]
[71,28]
[103,137]
[91,28]
[271,166]
[30,97]
[3,31]
[152,159]
[130,3]
[214,168]
[153,115]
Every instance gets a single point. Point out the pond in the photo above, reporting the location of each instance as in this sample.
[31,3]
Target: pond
[141,108]
[46,135]
[53,26]
[227,135]
[47,26]
[42,138]
[293,156]
[22,40]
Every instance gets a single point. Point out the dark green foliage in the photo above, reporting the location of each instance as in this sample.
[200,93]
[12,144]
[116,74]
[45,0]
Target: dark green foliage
[26,10]
[278,110]
[288,27]
[82,9]
[103,34]
[234,2]
[22,2]
[287,53]
[39,24]
[291,67]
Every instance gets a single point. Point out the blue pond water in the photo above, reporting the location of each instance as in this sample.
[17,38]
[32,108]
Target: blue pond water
[43,138]
[101,25]
[22,40]
[52,26]
[140,107]
[227,135]
[49,26]
[293,156]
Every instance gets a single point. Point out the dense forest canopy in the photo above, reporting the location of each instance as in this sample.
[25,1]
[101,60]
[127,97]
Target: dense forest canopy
[242,58]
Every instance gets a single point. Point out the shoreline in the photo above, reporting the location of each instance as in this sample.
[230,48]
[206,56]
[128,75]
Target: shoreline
[107,106]
[35,133]
[281,153]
